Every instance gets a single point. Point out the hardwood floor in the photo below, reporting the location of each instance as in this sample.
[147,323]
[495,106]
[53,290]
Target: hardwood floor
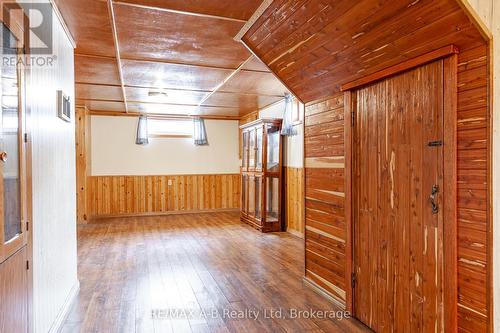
[132,270]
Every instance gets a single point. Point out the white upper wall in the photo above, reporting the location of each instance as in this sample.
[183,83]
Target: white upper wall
[54,186]
[114,151]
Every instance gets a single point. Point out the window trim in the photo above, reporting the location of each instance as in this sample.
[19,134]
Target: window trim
[168,135]
[164,136]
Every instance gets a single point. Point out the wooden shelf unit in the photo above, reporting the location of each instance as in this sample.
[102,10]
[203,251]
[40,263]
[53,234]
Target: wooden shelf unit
[261,175]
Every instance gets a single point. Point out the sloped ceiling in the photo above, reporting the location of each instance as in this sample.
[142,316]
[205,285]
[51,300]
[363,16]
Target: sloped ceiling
[316,46]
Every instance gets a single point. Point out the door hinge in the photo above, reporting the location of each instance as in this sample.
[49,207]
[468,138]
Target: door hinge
[353,118]
[26,137]
[353,279]
[436,143]
[27,225]
[27,265]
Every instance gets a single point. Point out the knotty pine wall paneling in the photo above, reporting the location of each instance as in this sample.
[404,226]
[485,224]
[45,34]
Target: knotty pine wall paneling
[151,195]
[473,142]
[294,200]
[488,13]
[83,164]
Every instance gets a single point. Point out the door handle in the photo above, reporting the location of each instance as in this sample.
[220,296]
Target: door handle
[3,156]
[432,199]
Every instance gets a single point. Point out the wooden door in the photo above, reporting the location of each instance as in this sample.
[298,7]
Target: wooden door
[397,196]
[13,187]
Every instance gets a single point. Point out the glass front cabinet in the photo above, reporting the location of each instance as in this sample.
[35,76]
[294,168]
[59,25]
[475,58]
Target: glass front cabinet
[261,173]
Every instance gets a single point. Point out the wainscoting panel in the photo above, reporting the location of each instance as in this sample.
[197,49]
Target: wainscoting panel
[294,202]
[149,195]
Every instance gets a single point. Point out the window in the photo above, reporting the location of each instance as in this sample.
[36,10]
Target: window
[164,128]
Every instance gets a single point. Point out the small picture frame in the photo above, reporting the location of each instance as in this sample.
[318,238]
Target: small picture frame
[63,106]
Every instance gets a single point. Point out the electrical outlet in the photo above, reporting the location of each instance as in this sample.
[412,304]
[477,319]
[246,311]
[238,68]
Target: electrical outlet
[170,183]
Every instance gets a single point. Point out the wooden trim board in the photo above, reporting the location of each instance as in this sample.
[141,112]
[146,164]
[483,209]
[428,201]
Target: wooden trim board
[72,296]
[99,218]
[157,115]
[348,125]
[321,291]
[450,81]
[407,65]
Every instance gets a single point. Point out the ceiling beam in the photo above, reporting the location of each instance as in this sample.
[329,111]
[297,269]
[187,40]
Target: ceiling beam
[177,89]
[229,77]
[162,61]
[251,21]
[117,49]
[181,12]
[156,103]
[160,115]
[272,72]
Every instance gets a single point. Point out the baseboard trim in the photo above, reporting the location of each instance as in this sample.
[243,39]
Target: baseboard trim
[296,233]
[177,212]
[323,292]
[58,322]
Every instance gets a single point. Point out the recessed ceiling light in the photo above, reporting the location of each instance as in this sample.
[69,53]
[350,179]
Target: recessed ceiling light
[158,94]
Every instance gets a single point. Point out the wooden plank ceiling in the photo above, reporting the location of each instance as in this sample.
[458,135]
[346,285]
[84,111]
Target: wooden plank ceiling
[167,56]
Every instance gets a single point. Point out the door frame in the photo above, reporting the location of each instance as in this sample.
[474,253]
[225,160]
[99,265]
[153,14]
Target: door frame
[449,55]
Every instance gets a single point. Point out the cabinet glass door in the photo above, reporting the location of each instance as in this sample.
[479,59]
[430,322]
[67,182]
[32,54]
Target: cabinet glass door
[251,147]
[244,151]
[258,157]
[244,193]
[258,197]
[251,196]
[273,148]
[273,197]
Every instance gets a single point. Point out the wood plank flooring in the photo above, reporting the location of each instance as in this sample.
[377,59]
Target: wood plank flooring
[134,270]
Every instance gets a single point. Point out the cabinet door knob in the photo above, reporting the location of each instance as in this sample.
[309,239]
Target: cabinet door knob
[3,156]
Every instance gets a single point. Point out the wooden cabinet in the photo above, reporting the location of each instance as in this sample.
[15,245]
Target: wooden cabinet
[261,173]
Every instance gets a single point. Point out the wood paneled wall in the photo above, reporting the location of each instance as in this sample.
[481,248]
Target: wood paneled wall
[83,158]
[325,225]
[326,232]
[315,48]
[473,168]
[294,200]
[149,195]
